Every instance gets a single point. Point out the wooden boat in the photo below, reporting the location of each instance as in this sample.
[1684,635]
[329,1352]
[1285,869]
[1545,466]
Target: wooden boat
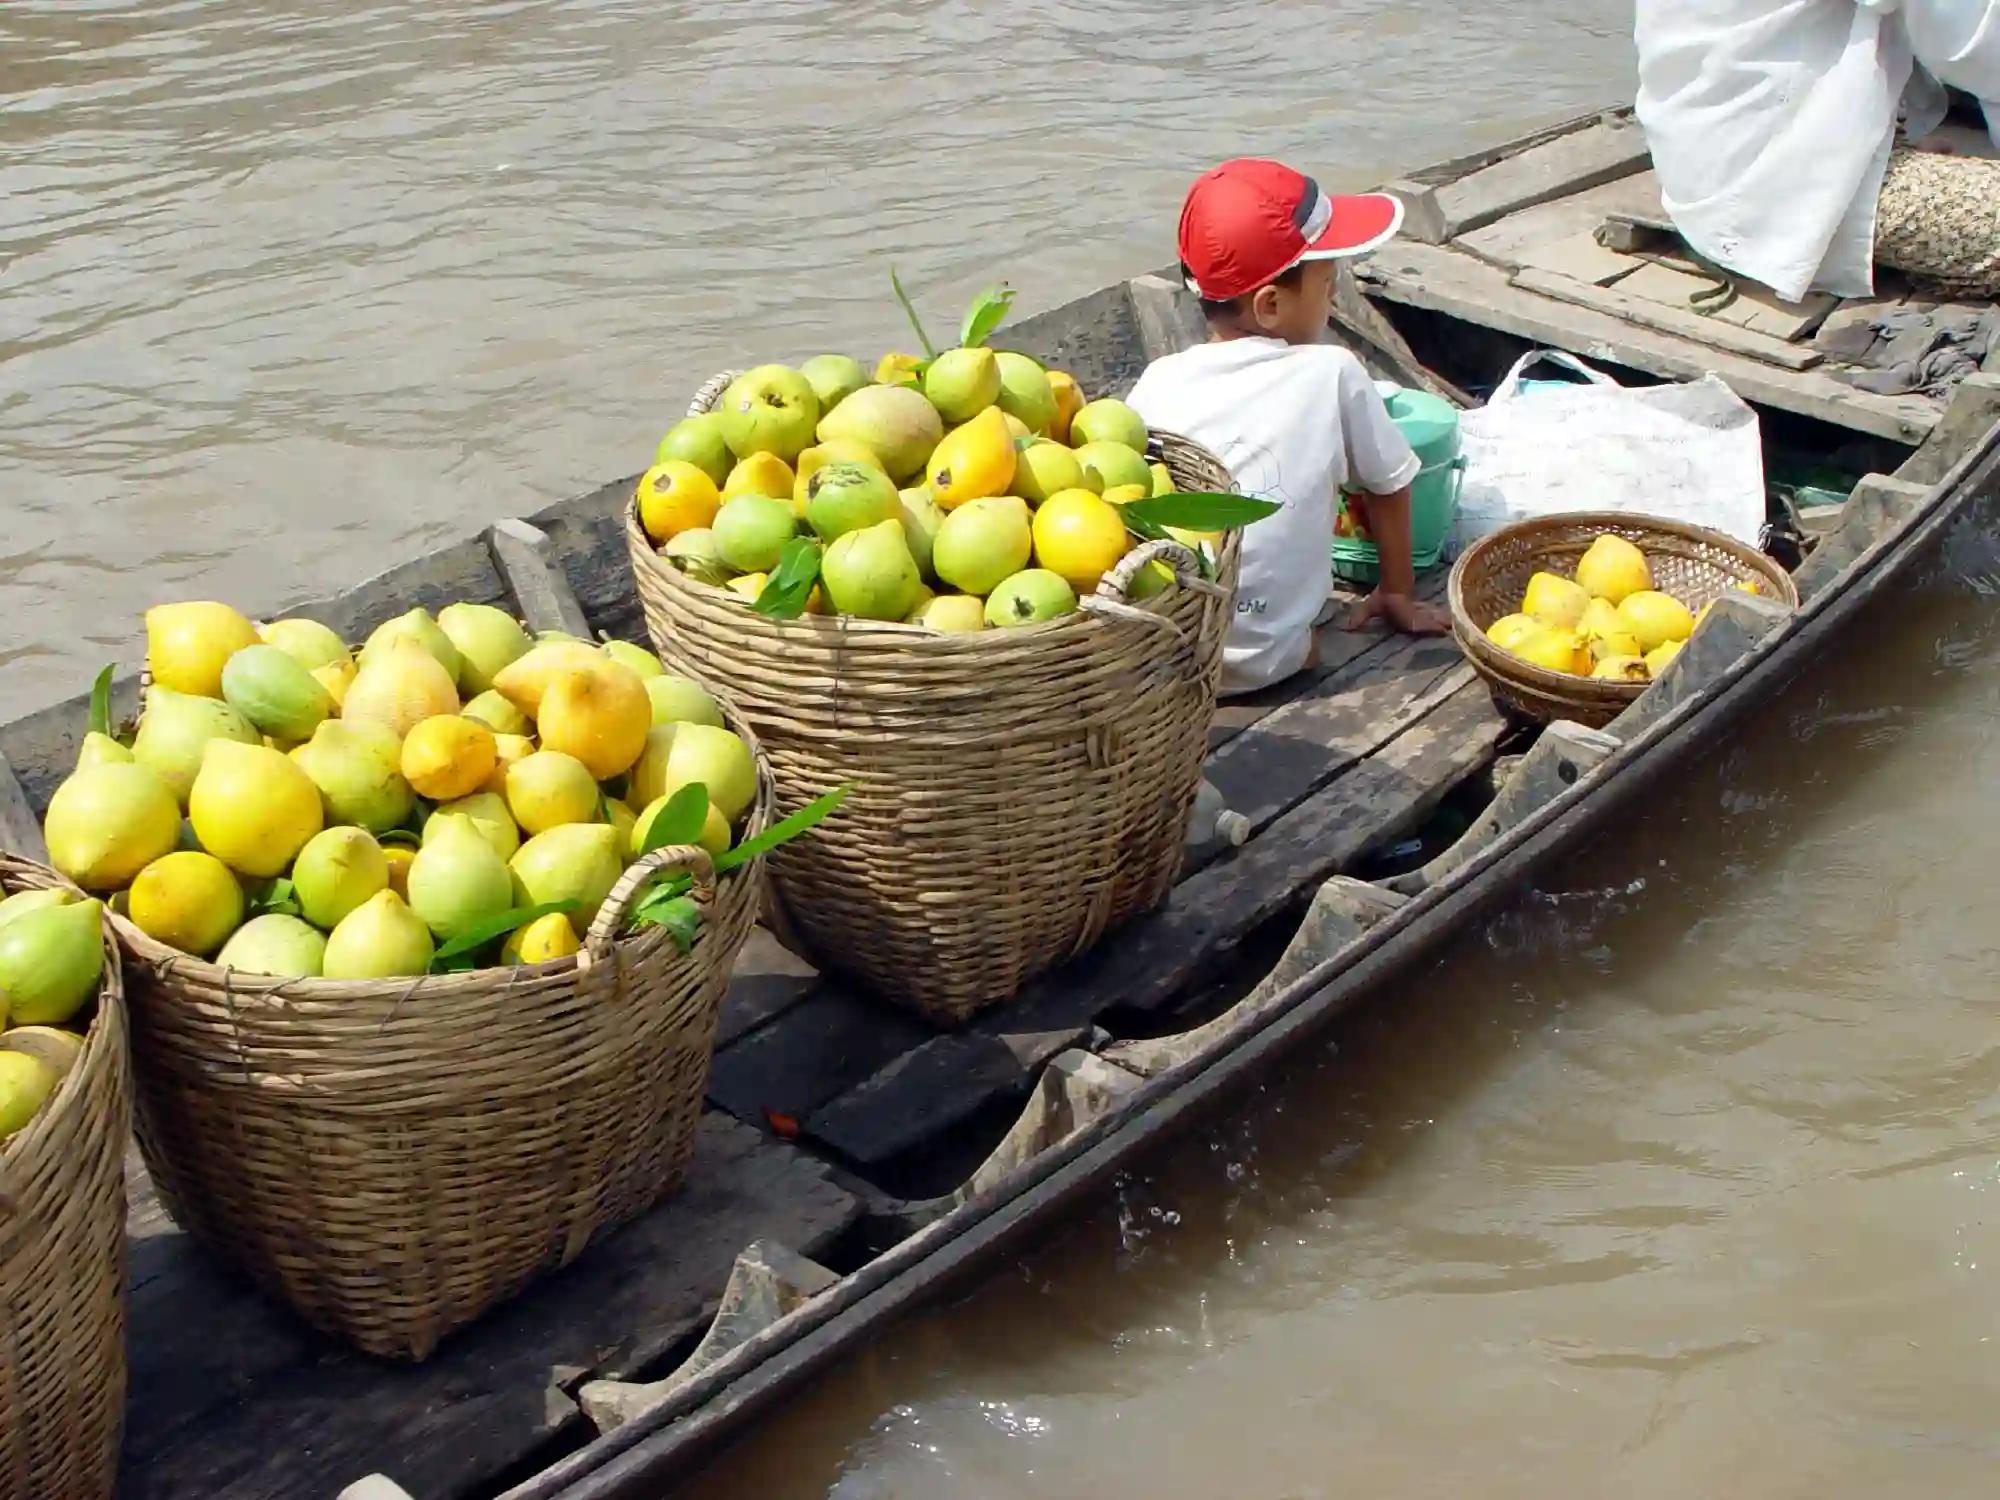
[854,1163]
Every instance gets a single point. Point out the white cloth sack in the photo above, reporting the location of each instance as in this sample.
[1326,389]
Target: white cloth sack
[1691,452]
[1771,121]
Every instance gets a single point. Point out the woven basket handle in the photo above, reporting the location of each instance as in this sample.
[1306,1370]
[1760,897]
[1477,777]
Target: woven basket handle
[711,392]
[610,919]
[1109,601]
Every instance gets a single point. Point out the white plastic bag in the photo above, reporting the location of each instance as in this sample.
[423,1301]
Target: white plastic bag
[1690,452]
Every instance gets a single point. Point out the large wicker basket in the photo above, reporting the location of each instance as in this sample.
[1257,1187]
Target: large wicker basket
[1015,793]
[395,1157]
[62,1262]
[1692,563]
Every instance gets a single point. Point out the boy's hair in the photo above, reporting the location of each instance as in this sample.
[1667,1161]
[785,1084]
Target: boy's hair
[1231,309]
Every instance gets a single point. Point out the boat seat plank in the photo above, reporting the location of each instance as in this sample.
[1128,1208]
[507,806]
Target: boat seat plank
[1447,281]
[1612,148]
[587,536]
[1378,799]
[1507,242]
[820,1047]
[492,1395]
[1648,311]
[1096,338]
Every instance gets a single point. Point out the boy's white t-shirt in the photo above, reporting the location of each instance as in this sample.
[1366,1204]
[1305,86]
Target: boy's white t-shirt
[1294,423]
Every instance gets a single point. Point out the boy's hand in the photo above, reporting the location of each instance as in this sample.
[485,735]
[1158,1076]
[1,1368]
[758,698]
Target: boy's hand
[1410,616]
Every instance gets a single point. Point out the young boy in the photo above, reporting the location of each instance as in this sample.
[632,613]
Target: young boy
[1293,419]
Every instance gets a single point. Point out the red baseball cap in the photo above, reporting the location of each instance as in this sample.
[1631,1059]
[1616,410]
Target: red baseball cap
[1249,221]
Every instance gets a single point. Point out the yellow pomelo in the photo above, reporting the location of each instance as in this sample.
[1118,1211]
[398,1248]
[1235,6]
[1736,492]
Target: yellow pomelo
[541,941]
[1555,601]
[490,816]
[548,789]
[759,474]
[26,1084]
[523,681]
[1599,618]
[1655,618]
[107,822]
[401,683]
[1620,669]
[1069,401]
[448,756]
[973,462]
[1509,630]
[577,862]
[338,870]
[1611,567]
[1553,648]
[718,760]
[498,715]
[507,748]
[1079,537]
[380,939]
[1658,658]
[676,497]
[187,644]
[187,900]
[599,714]
[399,858]
[252,807]
[308,642]
[1617,643]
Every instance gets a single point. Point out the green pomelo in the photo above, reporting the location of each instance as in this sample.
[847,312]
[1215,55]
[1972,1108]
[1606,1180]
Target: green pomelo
[870,573]
[1108,421]
[174,731]
[1030,597]
[1107,466]
[751,531]
[577,862]
[50,962]
[844,497]
[1043,469]
[487,639]
[337,871]
[281,946]
[962,383]
[893,422]
[982,542]
[833,377]
[380,939]
[1025,392]
[698,441]
[277,695]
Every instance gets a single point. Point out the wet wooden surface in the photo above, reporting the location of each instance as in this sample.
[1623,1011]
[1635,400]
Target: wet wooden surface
[232,1398]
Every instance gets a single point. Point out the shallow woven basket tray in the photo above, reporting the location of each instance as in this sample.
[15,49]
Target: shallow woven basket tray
[1692,563]
[395,1157]
[62,1261]
[1015,792]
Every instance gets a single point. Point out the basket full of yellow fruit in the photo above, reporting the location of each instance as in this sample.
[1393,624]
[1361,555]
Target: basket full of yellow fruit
[65,1116]
[992,606]
[1573,616]
[424,944]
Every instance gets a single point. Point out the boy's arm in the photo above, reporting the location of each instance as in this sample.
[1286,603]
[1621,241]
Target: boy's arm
[1382,465]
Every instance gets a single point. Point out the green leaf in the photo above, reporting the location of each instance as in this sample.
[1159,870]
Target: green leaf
[1023,444]
[482,933]
[1198,512]
[790,585]
[784,830]
[680,821]
[399,838]
[278,899]
[679,915]
[930,349]
[100,701]
[987,312]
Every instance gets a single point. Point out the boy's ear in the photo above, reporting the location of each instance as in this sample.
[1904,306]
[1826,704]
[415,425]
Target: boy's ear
[1264,307]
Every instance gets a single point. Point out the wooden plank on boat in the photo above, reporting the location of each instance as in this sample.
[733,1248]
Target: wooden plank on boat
[1506,242]
[1170,317]
[768,980]
[1599,153]
[20,829]
[1879,504]
[1754,308]
[1362,322]
[816,1049]
[492,1395]
[587,540]
[1445,281]
[1155,958]
[1682,321]
[1293,751]
[526,559]
[1095,338]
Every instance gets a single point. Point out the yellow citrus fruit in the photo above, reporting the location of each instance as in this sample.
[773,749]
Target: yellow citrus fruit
[1510,630]
[760,474]
[1658,658]
[1655,618]
[1611,568]
[1620,669]
[187,900]
[749,585]
[1553,648]
[448,756]
[545,938]
[1069,401]
[399,858]
[1079,536]
[676,497]
[1555,600]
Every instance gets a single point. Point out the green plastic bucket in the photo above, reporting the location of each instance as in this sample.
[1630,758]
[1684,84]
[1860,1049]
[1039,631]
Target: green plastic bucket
[1430,425]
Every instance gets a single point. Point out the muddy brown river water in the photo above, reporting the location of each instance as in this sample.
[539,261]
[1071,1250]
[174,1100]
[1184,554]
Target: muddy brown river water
[1680,1179]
